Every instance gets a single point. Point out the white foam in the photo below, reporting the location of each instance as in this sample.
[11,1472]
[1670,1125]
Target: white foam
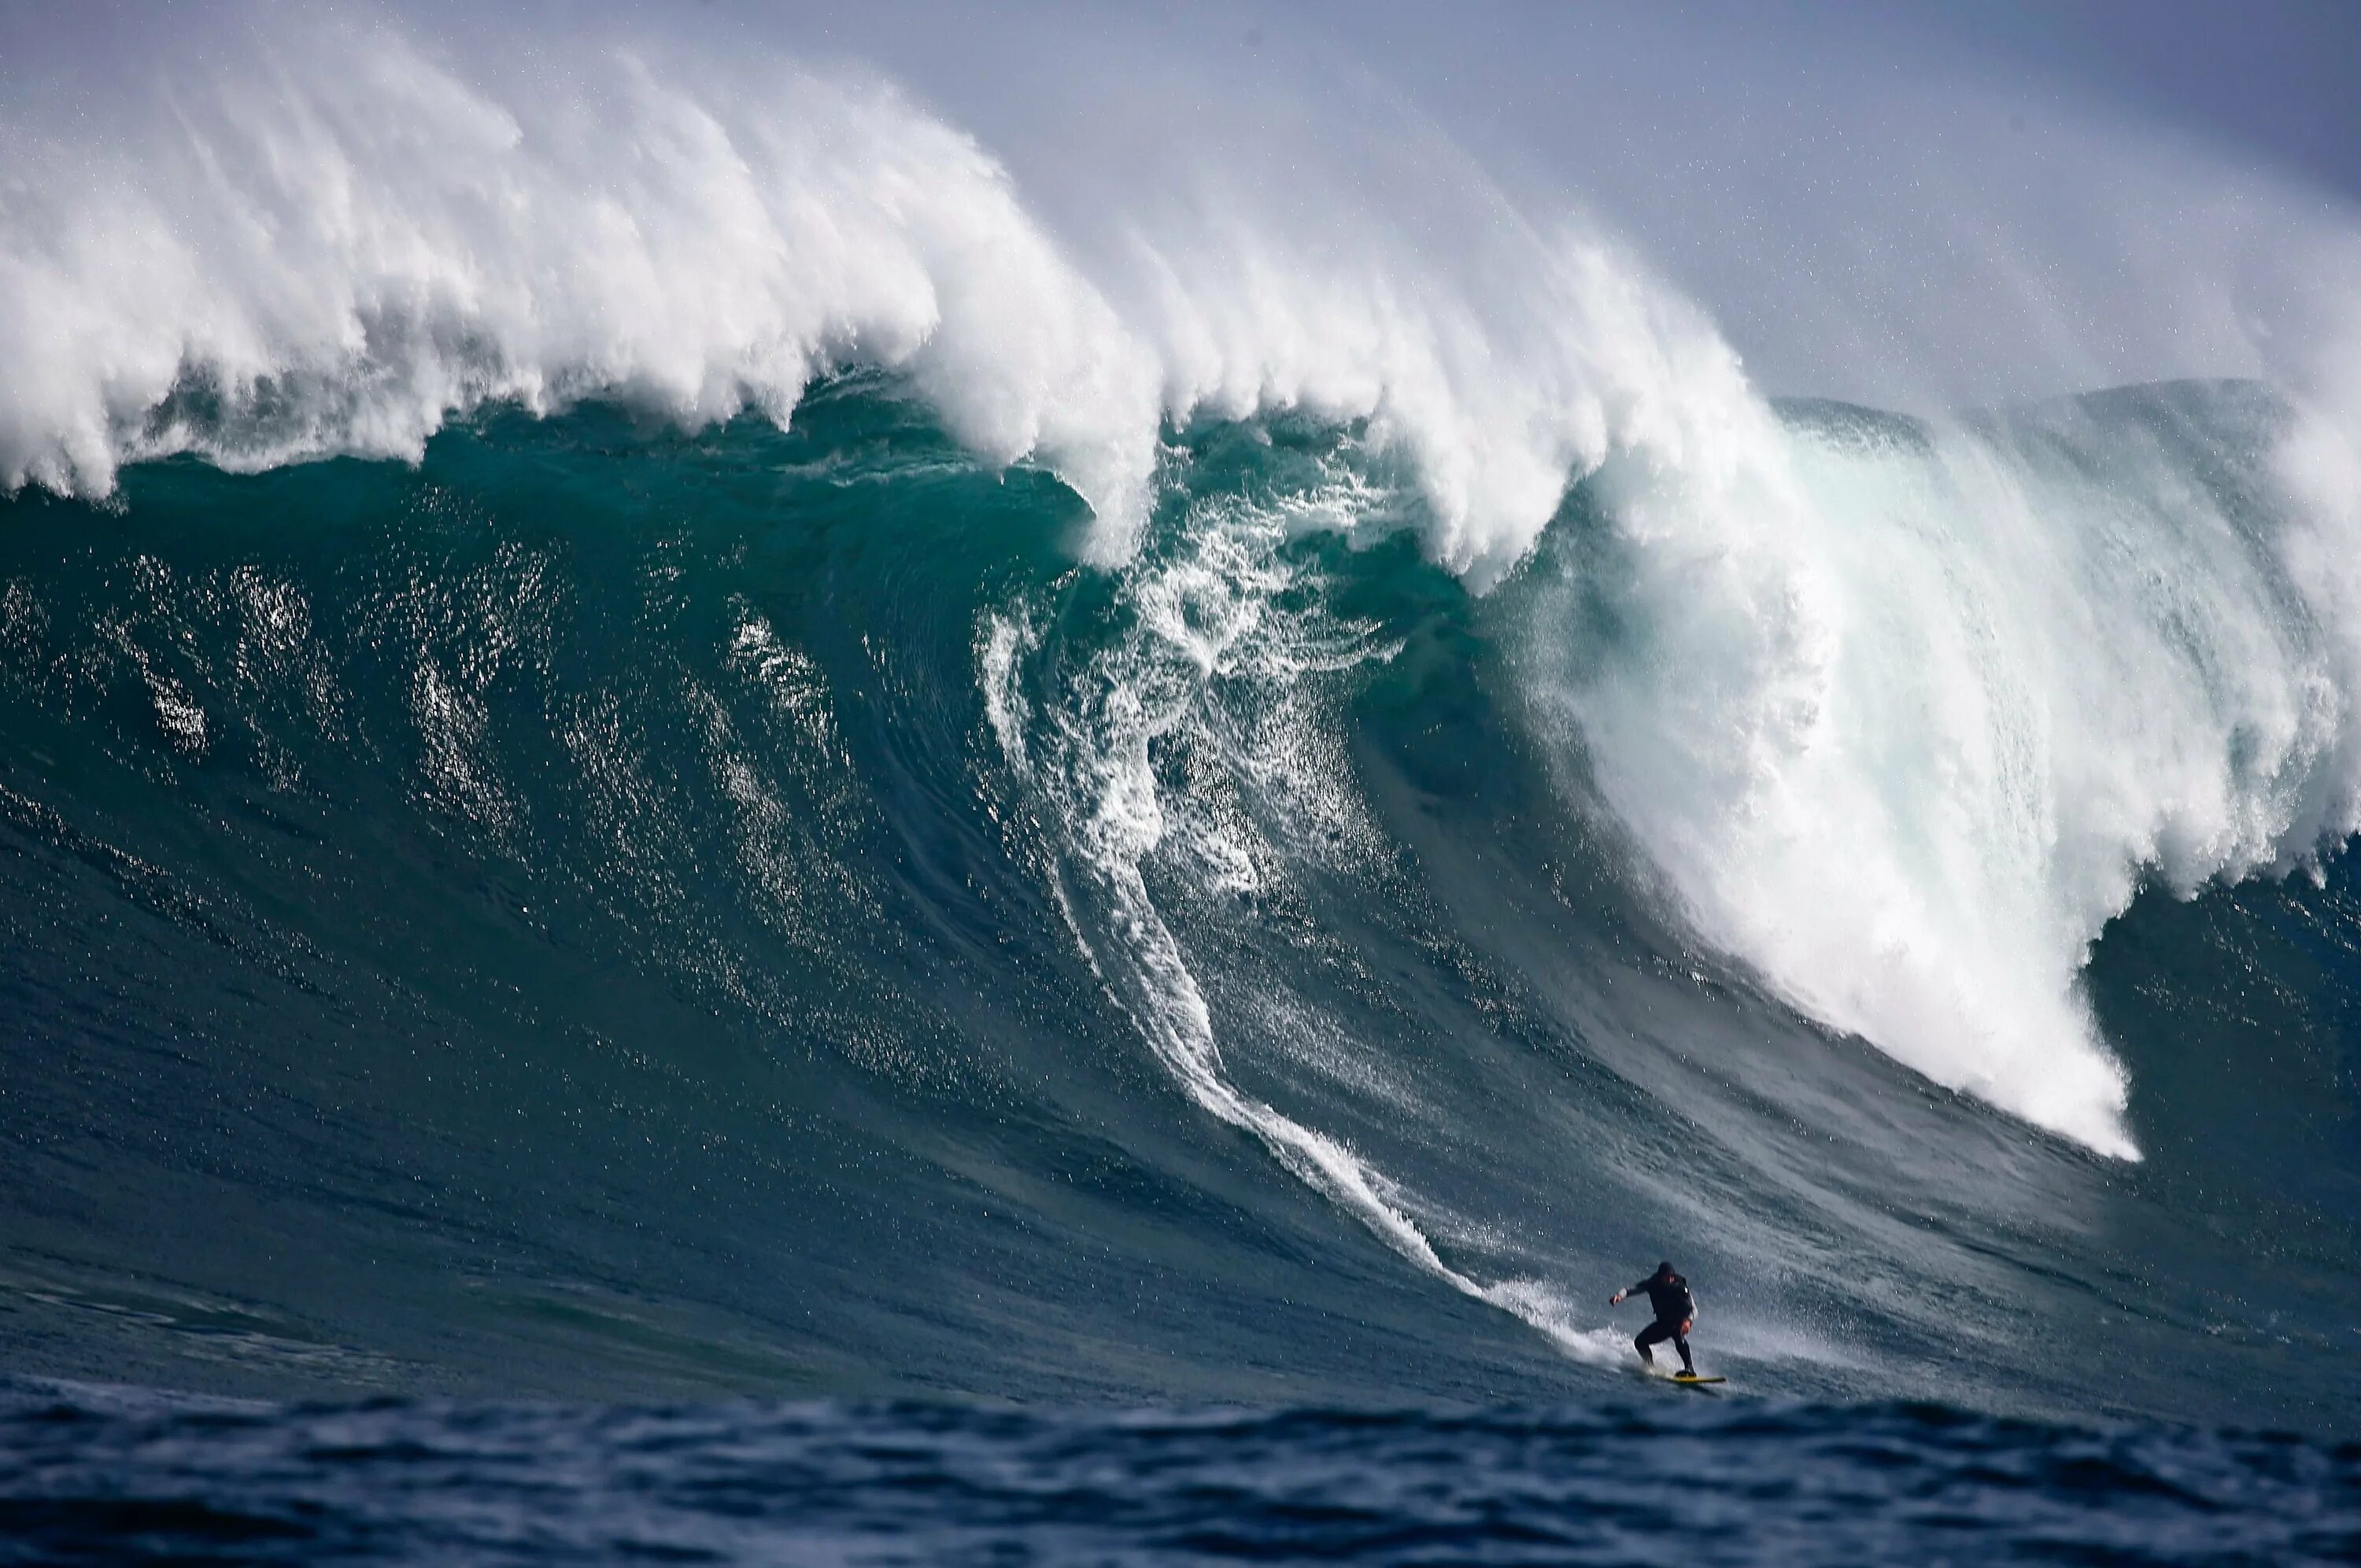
[326,237]
[344,242]
[1905,726]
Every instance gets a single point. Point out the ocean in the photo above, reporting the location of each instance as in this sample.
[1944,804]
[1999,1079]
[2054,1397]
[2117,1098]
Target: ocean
[762,940]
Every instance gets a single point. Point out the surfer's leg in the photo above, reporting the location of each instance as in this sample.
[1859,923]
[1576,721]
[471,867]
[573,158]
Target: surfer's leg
[1652,1334]
[1681,1344]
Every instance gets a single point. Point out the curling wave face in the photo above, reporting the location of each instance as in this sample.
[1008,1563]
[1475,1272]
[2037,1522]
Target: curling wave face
[1488,756]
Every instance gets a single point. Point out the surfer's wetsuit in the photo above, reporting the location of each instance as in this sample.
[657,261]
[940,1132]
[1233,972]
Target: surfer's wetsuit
[1668,1294]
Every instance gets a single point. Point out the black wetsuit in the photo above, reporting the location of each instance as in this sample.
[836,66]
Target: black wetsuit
[1669,1296]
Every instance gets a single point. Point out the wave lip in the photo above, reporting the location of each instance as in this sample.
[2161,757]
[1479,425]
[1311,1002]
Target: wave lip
[339,241]
[347,243]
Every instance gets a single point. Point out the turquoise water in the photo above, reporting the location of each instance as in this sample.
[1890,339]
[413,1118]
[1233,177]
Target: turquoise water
[610,913]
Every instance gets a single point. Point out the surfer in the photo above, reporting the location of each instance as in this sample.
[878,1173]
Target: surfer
[1668,1293]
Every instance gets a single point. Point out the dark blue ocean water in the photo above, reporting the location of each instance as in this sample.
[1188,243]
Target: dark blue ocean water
[107,1479]
[649,925]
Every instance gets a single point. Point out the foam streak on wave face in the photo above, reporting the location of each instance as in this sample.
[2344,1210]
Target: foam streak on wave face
[1078,742]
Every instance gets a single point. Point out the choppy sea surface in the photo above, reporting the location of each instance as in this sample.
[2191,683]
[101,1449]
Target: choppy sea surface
[99,1478]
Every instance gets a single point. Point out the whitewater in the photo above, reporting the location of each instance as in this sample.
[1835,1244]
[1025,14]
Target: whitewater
[732,524]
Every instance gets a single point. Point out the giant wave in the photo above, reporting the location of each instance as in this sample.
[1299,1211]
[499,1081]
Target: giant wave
[869,734]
